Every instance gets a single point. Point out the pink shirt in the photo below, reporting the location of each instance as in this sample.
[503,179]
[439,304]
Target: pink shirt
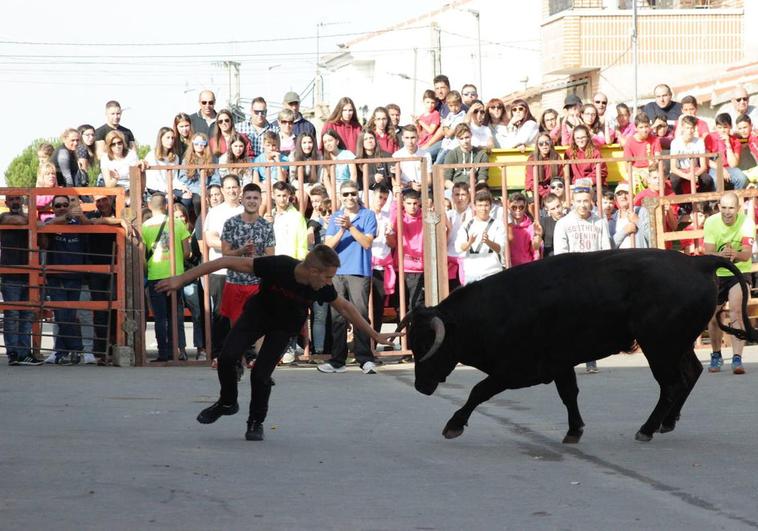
[428,119]
[413,239]
[642,148]
[521,245]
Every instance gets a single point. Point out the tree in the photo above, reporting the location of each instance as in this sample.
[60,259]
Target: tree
[22,171]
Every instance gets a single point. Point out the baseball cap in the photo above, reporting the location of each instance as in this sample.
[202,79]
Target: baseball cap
[572,100]
[621,187]
[291,97]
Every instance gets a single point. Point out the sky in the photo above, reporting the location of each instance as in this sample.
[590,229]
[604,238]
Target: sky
[61,61]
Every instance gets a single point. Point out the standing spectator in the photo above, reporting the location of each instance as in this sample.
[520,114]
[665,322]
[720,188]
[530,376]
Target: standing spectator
[67,248]
[455,117]
[271,153]
[549,124]
[257,126]
[182,133]
[317,225]
[335,149]
[480,241]
[740,104]
[393,111]
[497,120]
[155,233]
[351,232]
[427,123]
[86,154]
[376,172]
[116,161]
[413,244]
[481,135]
[17,323]
[344,120]
[66,160]
[749,147]
[213,227]
[572,109]
[549,217]
[163,154]
[525,236]
[222,133]
[460,214]
[663,104]
[687,143]
[729,234]
[591,118]
[383,268]
[653,182]
[628,223]
[386,135]
[581,150]
[285,122]
[689,108]
[203,120]
[465,153]
[522,127]
[582,231]
[410,172]
[300,125]
[190,180]
[557,187]
[237,154]
[601,104]
[543,151]
[305,150]
[112,123]
[641,145]
[441,89]
[46,178]
[722,142]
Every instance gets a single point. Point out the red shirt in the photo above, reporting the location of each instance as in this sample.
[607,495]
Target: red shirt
[714,144]
[548,172]
[347,131]
[750,143]
[642,148]
[581,169]
[388,143]
[431,118]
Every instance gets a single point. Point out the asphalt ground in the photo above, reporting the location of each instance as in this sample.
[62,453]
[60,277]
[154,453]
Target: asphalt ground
[118,448]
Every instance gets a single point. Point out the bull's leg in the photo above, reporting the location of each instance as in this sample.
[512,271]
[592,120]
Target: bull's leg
[691,369]
[565,382]
[481,392]
[672,387]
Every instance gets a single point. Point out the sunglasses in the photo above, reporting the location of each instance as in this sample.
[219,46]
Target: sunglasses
[224,121]
[518,109]
[210,102]
[349,194]
[285,121]
[741,99]
[260,113]
[543,143]
[518,207]
[60,205]
[600,102]
[497,107]
[556,186]
[200,143]
[117,143]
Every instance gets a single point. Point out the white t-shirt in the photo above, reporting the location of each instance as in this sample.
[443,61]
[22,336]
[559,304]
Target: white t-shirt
[379,247]
[157,179]
[480,261]
[120,165]
[481,135]
[411,171]
[693,147]
[456,220]
[214,222]
[450,121]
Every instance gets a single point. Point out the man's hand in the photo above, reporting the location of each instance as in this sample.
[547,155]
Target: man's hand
[169,284]
[388,337]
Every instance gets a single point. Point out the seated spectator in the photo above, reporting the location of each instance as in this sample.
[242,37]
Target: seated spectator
[190,181]
[163,154]
[628,223]
[687,143]
[410,172]
[344,122]
[334,149]
[663,104]
[480,241]
[591,118]
[221,134]
[441,89]
[572,110]
[66,159]
[305,150]
[155,233]
[497,120]
[549,124]
[67,248]
[45,152]
[465,153]
[394,113]
[522,127]
[428,122]
[663,131]
[271,153]
[286,122]
[728,147]
[413,244]
[455,116]
[237,154]
[481,135]
[642,144]
[623,127]
[581,150]
[558,188]
[549,216]
[525,237]
[116,161]
[376,172]
[749,147]
[205,118]
[689,108]
[182,133]
[740,104]
[469,94]
[46,178]
[652,183]
[300,125]
[86,153]
[380,125]
[543,151]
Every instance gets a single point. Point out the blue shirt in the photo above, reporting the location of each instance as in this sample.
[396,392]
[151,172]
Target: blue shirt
[273,170]
[354,259]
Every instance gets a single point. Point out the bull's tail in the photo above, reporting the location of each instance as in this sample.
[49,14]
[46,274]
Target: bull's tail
[712,263]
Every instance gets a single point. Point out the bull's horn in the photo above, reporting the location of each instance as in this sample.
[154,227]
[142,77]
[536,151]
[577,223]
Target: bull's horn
[402,324]
[439,336]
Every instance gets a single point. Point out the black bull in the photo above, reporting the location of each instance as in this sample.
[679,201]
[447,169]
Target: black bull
[532,324]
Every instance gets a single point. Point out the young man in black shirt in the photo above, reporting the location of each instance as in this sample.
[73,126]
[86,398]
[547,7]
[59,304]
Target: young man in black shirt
[288,288]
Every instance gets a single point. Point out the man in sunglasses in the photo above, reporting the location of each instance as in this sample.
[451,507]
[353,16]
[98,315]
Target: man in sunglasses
[205,117]
[257,125]
[739,105]
[351,232]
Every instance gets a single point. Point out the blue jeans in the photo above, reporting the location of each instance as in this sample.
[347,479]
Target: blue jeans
[738,178]
[193,299]
[17,324]
[161,303]
[66,288]
[319,326]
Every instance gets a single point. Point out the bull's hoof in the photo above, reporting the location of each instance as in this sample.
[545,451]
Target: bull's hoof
[572,437]
[452,430]
[639,436]
[667,428]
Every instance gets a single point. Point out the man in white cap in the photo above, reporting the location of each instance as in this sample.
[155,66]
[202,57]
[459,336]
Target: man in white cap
[291,101]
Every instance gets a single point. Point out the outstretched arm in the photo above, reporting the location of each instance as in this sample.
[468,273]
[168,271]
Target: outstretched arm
[236,263]
[352,314]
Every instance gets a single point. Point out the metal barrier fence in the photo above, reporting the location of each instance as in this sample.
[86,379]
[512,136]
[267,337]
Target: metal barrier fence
[108,296]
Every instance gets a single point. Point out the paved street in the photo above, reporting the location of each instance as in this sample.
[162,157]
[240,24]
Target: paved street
[119,449]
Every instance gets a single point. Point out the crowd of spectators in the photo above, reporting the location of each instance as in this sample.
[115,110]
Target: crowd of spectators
[455,127]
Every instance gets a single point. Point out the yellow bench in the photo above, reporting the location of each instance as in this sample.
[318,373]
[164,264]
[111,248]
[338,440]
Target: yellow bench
[517,174]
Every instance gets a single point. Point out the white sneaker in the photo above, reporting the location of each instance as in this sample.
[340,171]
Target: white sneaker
[50,360]
[328,367]
[289,357]
[89,359]
[369,368]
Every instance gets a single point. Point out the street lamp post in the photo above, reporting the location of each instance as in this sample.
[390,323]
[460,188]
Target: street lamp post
[479,45]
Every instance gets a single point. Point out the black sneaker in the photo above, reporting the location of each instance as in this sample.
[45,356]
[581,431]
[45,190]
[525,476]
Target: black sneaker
[12,359]
[211,414]
[240,371]
[29,360]
[254,431]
